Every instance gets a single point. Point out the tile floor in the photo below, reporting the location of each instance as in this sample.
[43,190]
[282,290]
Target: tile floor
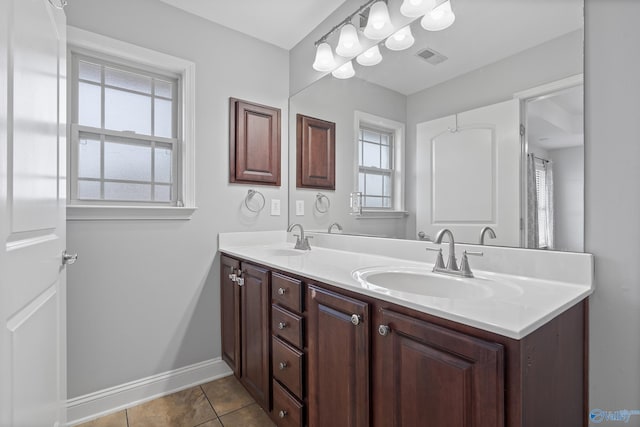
[220,403]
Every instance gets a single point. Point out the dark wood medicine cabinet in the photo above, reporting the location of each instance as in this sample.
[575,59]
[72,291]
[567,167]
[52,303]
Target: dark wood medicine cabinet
[316,153]
[254,143]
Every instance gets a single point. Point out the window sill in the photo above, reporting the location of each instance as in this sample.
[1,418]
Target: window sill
[120,213]
[374,214]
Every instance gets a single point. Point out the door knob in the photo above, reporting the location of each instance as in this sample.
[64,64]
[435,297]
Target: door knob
[356,319]
[68,259]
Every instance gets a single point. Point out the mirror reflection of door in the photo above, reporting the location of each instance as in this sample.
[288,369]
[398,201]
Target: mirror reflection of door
[554,172]
[469,174]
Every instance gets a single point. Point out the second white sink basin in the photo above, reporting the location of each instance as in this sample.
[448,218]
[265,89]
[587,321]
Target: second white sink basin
[420,281]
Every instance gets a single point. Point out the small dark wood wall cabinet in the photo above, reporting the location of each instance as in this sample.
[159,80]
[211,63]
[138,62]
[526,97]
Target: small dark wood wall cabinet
[245,344]
[316,153]
[254,143]
[339,358]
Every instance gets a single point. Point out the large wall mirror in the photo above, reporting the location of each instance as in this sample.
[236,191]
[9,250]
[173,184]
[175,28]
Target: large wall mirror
[479,125]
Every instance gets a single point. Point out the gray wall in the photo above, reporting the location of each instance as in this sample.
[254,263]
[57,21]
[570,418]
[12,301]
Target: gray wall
[336,100]
[612,200]
[143,299]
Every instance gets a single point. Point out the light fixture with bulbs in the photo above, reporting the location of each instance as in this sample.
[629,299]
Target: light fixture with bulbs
[439,18]
[370,57]
[324,58]
[379,23]
[416,8]
[348,44]
[435,17]
[401,39]
[345,71]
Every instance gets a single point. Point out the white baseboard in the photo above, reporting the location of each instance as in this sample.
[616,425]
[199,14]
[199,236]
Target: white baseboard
[90,406]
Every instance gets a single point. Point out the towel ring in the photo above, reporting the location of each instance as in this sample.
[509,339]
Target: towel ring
[319,203]
[249,197]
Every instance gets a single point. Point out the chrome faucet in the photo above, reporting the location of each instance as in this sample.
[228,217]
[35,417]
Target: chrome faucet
[485,230]
[452,265]
[336,225]
[302,242]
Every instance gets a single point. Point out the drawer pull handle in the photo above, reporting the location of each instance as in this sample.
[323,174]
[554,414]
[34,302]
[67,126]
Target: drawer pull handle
[282,291]
[283,413]
[384,330]
[283,365]
[355,319]
[282,325]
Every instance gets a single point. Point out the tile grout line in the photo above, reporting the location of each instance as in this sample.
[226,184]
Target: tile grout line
[210,404]
[126,416]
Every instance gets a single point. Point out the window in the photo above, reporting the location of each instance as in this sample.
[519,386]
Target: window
[125,146]
[131,131]
[379,164]
[375,175]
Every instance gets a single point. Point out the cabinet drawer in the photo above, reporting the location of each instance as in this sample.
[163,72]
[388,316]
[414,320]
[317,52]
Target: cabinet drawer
[286,409]
[287,325]
[286,291]
[287,366]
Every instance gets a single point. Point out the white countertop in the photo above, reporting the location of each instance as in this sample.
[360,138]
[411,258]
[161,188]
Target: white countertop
[548,284]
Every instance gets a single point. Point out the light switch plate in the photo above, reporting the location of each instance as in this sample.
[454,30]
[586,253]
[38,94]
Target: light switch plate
[275,207]
[299,207]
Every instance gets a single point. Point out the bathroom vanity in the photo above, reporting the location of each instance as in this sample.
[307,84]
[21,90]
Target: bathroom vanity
[317,345]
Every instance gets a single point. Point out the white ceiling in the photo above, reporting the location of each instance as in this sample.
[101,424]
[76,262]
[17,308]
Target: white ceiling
[557,121]
[280,22]
[484,32]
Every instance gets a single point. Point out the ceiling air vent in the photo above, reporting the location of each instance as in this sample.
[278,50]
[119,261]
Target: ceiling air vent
[431,56]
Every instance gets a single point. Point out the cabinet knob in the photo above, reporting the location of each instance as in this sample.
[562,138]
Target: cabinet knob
[283,413]
[356,319]
[232,275]
[283,365]
[282,325]
[282,291]
[384,330]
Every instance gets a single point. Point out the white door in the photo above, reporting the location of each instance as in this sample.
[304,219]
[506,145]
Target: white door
[469,174]
[32,213]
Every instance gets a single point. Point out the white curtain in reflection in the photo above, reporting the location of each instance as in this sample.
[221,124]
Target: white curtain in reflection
[532,203]
[539,203]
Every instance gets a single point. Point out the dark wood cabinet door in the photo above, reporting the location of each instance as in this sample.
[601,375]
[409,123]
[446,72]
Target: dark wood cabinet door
[429,375]
[316,153]
[338,356]
[230,313]
[255,332]
[254,149]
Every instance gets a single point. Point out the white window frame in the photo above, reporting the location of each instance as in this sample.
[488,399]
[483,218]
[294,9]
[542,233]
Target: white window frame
[362,119]
[87,43]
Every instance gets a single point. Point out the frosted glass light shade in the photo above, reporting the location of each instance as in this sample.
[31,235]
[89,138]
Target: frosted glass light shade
[324,58]
[345,71]
[415,8]
[400,40]
[379,24]
[439,18]
[370,57]
[349,44]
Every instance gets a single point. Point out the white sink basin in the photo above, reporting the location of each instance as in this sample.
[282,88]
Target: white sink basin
[420,281]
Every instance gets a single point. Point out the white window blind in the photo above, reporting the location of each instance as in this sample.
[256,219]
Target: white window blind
[125,125]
